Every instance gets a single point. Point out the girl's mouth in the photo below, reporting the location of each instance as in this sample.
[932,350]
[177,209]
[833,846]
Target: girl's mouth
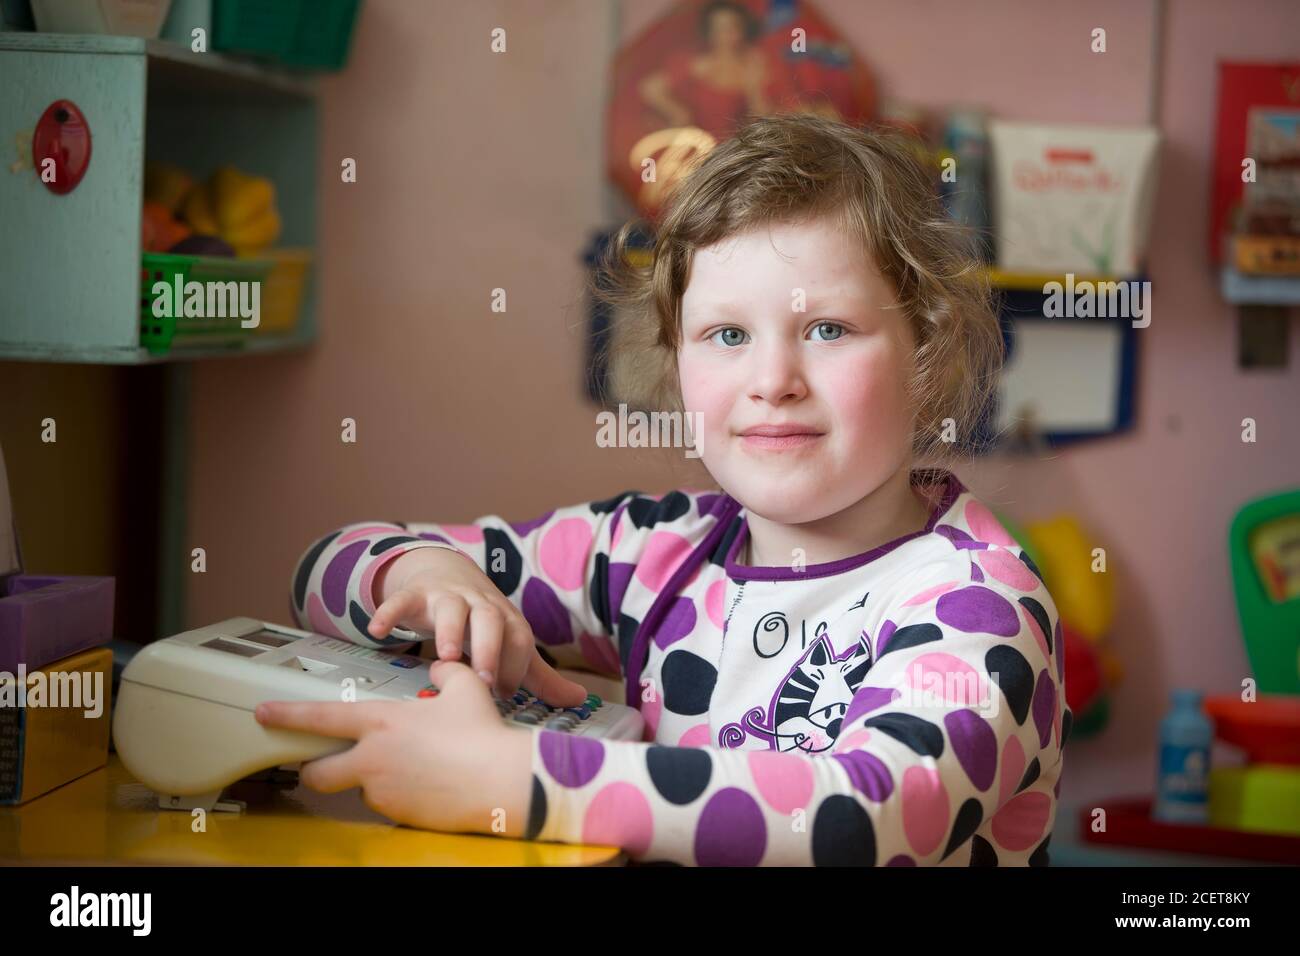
[779,442]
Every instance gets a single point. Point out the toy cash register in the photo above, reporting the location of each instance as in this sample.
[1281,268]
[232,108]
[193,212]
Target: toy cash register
[184,721]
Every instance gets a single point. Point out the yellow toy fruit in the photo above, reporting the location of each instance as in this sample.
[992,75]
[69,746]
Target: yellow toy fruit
[166,185]
[1083,597]
[197,211]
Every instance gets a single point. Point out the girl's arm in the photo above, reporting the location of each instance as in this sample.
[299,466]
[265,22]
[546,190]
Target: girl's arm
[911,778]
[566,571]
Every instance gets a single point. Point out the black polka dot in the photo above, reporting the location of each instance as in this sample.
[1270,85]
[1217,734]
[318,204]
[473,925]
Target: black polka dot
[1040,615]
[982,852]
[680,774]
[536,810]
[646,513]
[506,579]
[688,683]
[1067,724]
[719,555]
[599,591]
[1024,556]
[969,817]
[627,628]
[1040,856]
[611,504]
[911,636]
[383,544]
[360,620]
[1014,676]
[842,834]
[1031,774]
[304,570]
[918,734]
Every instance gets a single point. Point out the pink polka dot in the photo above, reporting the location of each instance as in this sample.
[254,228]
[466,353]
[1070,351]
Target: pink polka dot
[930,593]
[1032,623]
[599,653]
[938,680]
[617,533]
[984,526]
[664,552]
[1020,824]
[563,552]
[1013,768]
[619,816]
[320,619]
[785,781]
[1008,569]
[469,533]
[852,741]
[925,809]
[713,599]
[697,736]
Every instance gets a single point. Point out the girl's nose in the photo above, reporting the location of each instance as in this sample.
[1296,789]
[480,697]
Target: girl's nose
[778,375]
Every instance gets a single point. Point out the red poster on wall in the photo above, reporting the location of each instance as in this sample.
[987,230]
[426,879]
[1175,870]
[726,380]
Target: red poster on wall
[691,78]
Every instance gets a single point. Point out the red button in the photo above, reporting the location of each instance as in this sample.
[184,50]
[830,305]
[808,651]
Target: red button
[427,692]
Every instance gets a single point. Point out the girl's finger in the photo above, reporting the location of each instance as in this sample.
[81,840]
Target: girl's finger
[402,605]
[334,773]
[327,718]
[487,626]
[449,614]
[517,655]
[554,688]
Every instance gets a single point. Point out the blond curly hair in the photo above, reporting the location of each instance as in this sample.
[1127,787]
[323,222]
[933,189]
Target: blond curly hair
[792,168]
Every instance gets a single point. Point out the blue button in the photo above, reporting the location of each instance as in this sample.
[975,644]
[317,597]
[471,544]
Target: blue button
[407,662]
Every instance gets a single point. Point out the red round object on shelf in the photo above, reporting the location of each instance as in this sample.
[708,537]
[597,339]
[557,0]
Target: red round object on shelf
[62,135]
[1267,728]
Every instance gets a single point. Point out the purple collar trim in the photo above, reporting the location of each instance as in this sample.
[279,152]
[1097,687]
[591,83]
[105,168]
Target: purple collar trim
[952,488]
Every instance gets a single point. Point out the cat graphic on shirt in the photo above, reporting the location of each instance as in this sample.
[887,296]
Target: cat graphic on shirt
[810,702]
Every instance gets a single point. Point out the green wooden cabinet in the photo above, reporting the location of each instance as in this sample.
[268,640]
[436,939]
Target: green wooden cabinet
[70,264]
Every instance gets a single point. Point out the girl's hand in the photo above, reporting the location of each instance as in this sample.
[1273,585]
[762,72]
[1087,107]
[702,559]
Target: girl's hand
[440,591]
[446,763]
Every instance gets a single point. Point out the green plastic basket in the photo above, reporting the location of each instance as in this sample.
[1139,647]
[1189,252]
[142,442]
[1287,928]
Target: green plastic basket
[165,333]
[312,34]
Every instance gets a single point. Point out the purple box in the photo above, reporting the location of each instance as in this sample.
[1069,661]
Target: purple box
[46,617]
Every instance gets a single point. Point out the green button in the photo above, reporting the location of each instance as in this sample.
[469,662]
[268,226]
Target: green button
[593,701]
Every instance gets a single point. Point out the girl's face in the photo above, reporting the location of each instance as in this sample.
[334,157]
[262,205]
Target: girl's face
[836,371]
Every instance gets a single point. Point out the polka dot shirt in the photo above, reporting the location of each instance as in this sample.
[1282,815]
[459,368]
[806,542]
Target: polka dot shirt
[901,707]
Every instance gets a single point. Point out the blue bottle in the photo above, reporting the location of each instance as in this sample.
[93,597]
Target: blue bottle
[1183,784]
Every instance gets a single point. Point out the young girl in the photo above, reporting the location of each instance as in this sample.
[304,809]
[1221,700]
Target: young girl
[841,658]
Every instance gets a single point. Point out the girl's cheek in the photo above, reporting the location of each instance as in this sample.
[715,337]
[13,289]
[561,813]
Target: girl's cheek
[705,390]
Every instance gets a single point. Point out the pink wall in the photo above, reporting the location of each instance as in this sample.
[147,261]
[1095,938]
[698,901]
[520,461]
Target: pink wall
[479,171]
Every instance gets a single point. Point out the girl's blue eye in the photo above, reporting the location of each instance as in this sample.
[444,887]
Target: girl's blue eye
[723,332]
[838,330]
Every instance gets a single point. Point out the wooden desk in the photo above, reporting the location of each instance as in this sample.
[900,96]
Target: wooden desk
[108,818]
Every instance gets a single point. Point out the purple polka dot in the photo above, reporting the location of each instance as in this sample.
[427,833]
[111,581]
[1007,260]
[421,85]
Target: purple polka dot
[866,700]
[975,745]
[731,831]
[334,583]
[901,860]
[978,609]
[868,774]
[706,503]
[430,536]
[678,622]
[975,573]
[523,527]
[548,618]
[1044,704]
[619,576]
[882,639]
[572,761]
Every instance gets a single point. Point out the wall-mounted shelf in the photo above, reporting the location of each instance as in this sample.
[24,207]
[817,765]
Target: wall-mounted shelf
[70,264]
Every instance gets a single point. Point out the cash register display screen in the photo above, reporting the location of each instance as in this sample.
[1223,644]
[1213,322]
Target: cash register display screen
[230,647]
[267,638]
[1275,547]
